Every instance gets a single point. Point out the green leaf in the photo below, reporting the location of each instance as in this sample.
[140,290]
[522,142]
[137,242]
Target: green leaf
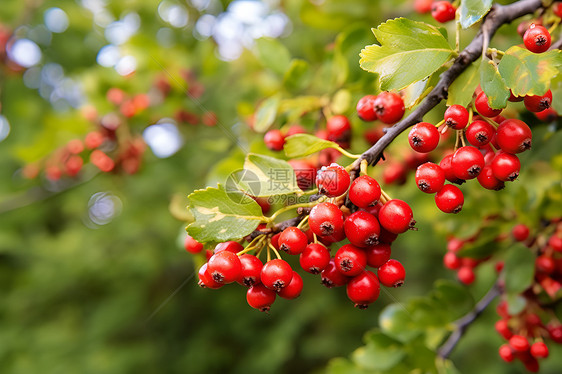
[297,106]
[515,303]
[493,85]
[273,55]
[396,322]
[528,73]
[266,113]
[405,44]
[415,93]
[462,89]
[453,298]
[342,365]
[341,101]
[297,76]
[268,176]
[302,145]
[381,352]
[472,11]
[519,269]
[445,366]
[484,245]
[220,216]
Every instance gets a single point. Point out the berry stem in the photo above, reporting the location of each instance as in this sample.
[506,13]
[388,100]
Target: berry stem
[491,122]
[254,244]
[457,31]
[384,197]
[438,124]
[294,206]
[347,154]
[363,167]
[302,223]
[553,27]
[274,251]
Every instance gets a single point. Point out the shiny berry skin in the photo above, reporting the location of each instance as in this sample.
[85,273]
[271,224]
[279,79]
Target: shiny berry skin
[479,133]
[293,289]
[395,173]
[520,232]
[260,297]
[450,199]
[487,179]
[206,280]
[333,180]
[443,11]
[192,246]
[537,39]
[423,137]
[276,274]
[362,229]
[350,260]
[366,108]
[519,343]
[386,236]
[274,140]
[451,261]
[467,162]
[230,246]
[225,267]
[447,165]
[547,115]
[555,242]
[305,173]
[506,166]
[430,178]
[293,241]
[539,350]
[456,117]
[332,277]
[537,103]
[466,275]
[363,289]
[503,329]
[557,8]
[483,107]
[389,107]
[364,191]
[506,353]
[545,264]
[326,219]
[392,274]
[396,216]
[514,136]
[378,254]
[251,270]
[314,258]
[339,128]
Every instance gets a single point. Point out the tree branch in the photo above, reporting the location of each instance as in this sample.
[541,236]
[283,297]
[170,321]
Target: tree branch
[463,323]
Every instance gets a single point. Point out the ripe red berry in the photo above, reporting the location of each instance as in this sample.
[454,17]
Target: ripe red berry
[555,242]
[251,270]
[538,103]
[487,179]
[389,107]
[326,219]
[332,277]
[423,6]
[451,261]
[102,161]
[192,246]
[423,137]
[395,173]
[539,350]
[506,166]
[392,273]
[276,274]
[396,216]
[547,115]
[205,279]
[260,297]
[447,165]
[483,107]
[230,246]
[274,140]
[519,343]
[293,289]
[443,11]
[333,180]
[467,162]
[430,178]
[506,353]
[456,117]
[350,260]
[537,38]
[479,133]
[520,232]
[466,275]
[364,191]
[555,332]
[362,229]
[545,264]
[363,289]
[73,165]
[225,267]
[305,173]
[314,258]
[366,108]
[557,8]
[373,135]
[503,329]
[293,241]
[514,136]
[378,254]
[339,128]
[450,199]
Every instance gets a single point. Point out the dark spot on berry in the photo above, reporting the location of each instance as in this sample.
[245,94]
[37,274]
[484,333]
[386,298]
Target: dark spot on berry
[412,225]
[540,40]
[481,137]
[361,306]
[278,285]
[346,265]
[326,228]
[265,309]
[423,186]
[284,247]
[513,176]
[218,277]
[379,109]
[372,240]
[457,209]
[416,140]
[526,145]
[314,270]
[451,123]
[328,283]
[474,171]
[458,181]
[500,187]
[544,104]
[398,284]
[248,281]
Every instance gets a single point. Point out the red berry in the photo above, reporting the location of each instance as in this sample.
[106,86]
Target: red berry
[450,199]
[557,8]
[364,191]
[537,38]
[456,117]
[506,353]
[555,333]
[451,261]
[389,107]
[547,115]
[386,236]
[538,103]
[333,180]
[378,254]
[430,178]
[350,260]
[276,274]
[483,107]
[519,343]
[293,289]
[555,242]
[503,329]
[392,273]
[274,140]
[479,133]
[366,108]
[225,267]
[488,180]
[260,297]
[362,229]
[373,135]
[506,166]
[423,137]
[443,11]
[467,162]
[102,161]
[332,277]
[305,173]
[520,232]
[363,289]
[205,279]
[326,219]
[514,136]
[447,166]
[73,165]
[251,270]
[230,246]
[466,275]
[423,6]
[314,258]
[293,241]
[339,128]
[545,264]
[192,246]
[539,350]
[395,173]
[396,216]
[455,244]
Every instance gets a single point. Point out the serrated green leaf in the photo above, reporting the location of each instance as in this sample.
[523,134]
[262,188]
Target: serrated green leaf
[472,11]
[270,176]
[381,352]
[462,89]
[297,76]
[404,43]
[519,269]
[493,85]
[302,145]
[266,113]
[415,93]
[220,216]
[528,73]
[273,55]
